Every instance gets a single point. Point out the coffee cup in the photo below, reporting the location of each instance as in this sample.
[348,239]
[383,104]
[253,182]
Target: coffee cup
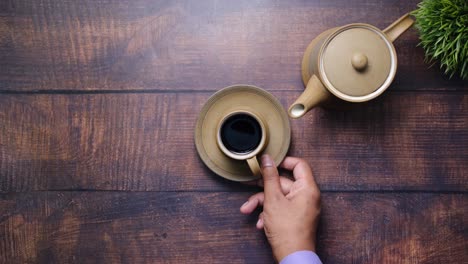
[242,135]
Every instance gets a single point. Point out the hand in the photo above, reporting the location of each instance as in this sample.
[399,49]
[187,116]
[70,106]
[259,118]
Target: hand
[290,208]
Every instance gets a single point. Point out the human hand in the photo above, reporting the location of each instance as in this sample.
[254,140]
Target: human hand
[291,209]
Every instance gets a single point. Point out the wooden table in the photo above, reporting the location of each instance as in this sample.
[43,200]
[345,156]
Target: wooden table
[98,104]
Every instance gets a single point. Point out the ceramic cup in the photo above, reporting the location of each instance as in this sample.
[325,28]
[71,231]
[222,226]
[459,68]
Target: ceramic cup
[242,135]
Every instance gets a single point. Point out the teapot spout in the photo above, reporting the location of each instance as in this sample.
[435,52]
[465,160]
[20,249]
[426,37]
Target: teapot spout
[398,27]
[297,110]
[314,94]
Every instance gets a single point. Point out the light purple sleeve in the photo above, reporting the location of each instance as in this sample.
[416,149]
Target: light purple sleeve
[301,257]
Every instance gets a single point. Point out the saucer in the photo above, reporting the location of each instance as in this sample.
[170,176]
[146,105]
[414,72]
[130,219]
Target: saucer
[235,98]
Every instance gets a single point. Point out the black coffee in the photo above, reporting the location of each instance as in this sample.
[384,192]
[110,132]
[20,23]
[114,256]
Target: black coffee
[241,133]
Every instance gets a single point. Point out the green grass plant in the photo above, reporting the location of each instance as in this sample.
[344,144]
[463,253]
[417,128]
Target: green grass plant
[443,31]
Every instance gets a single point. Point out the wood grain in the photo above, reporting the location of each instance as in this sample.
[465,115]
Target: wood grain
[168,45]
[98,102]
[145,227]
[402,141]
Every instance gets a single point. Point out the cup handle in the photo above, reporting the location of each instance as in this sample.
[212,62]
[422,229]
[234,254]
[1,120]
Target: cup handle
[254,166]
[398,27]
[314,94]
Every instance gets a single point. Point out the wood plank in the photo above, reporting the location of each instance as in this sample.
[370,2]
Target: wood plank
[402,141]
[146,227]
[167,45]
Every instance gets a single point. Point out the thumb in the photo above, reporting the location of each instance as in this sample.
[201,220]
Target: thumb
[271,179]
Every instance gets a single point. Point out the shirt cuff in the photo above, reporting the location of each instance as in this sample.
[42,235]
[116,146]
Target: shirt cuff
[301,257]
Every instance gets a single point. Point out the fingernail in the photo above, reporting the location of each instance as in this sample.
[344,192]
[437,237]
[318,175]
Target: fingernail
[267,161]
[245,204]
[259,222]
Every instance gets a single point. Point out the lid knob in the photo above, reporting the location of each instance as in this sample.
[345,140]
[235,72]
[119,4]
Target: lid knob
[359,61]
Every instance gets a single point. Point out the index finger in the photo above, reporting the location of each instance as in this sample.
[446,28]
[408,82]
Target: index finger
[301,170]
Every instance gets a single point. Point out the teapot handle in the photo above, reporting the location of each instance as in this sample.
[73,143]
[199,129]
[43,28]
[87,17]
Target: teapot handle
[314,94]
[398,27]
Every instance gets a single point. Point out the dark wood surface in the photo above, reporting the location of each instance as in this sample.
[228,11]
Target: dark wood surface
[198,227]
[98,102]
[401,141]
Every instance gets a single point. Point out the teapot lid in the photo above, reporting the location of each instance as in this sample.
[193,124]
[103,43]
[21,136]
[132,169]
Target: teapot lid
[357,62]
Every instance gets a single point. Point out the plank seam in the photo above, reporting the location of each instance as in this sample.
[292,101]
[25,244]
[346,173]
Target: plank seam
[160,91]
[244,191]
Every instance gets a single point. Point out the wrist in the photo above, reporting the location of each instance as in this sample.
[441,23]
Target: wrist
[288,247]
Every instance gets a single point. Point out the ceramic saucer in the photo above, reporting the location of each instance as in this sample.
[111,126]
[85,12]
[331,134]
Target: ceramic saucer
[233,98]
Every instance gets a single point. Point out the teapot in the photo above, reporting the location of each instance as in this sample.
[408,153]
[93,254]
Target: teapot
[353,63]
